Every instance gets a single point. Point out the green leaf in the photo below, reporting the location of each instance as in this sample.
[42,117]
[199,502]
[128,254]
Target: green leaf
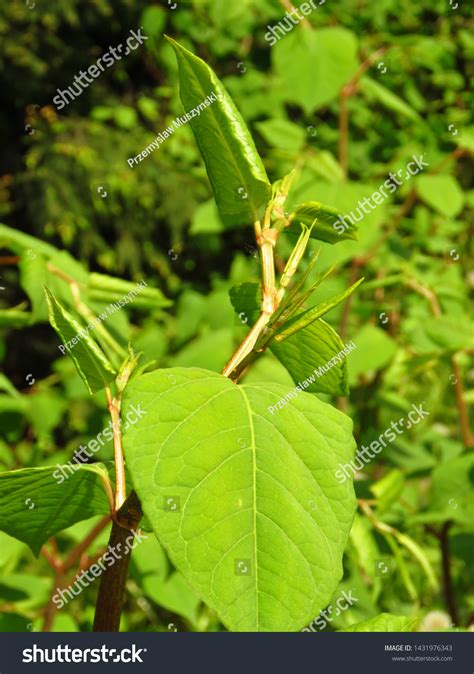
[259,522]
[19,242]
[174,594]
[388,489]
[246,298]
[27,591]
[402,567]
[312,66]
[385,622]
[89,359]
[235,170]
[33,276]
[451,333]
[452,493]
[210,350]
[14,318]
[441,192]
[13,622]
[309,351]
[206,219]
[283,134]
[376,91]
[375,349]
[153,20]
[36,503]
[365,547]
[103,288]
[329,222]
[307,317]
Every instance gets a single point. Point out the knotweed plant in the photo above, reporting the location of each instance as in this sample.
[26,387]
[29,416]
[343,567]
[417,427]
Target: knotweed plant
[241,493]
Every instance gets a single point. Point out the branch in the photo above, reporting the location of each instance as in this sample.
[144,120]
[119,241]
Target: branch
[432,298]
[77,552]
[347,91]
[286,4]
[113,405]
[112,582]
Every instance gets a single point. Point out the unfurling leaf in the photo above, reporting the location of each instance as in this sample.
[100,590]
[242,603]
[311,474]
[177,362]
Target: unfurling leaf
[330,225]
[307,317]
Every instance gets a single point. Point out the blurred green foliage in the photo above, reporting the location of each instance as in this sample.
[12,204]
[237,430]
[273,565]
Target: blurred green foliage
[64,179]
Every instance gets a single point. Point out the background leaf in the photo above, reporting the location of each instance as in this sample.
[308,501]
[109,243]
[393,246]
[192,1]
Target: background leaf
[313,65]
[35,504]
[89,359]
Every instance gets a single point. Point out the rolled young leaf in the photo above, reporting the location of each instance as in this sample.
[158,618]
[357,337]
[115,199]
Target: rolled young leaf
[331,225]
[307,317]
[234,167]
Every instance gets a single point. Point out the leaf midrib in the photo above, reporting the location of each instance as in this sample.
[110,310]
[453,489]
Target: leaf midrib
[254,463]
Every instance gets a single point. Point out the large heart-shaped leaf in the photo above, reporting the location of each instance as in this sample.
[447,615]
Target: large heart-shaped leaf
[234,167]
[36,503]
[243,498]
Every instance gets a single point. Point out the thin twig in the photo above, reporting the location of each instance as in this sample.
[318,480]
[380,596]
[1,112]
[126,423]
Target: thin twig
[432,298]
[77,552]
[286,4]
[447,579]
[113,405]
[347,91]
[53,561]
[467,437]
[9,260]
